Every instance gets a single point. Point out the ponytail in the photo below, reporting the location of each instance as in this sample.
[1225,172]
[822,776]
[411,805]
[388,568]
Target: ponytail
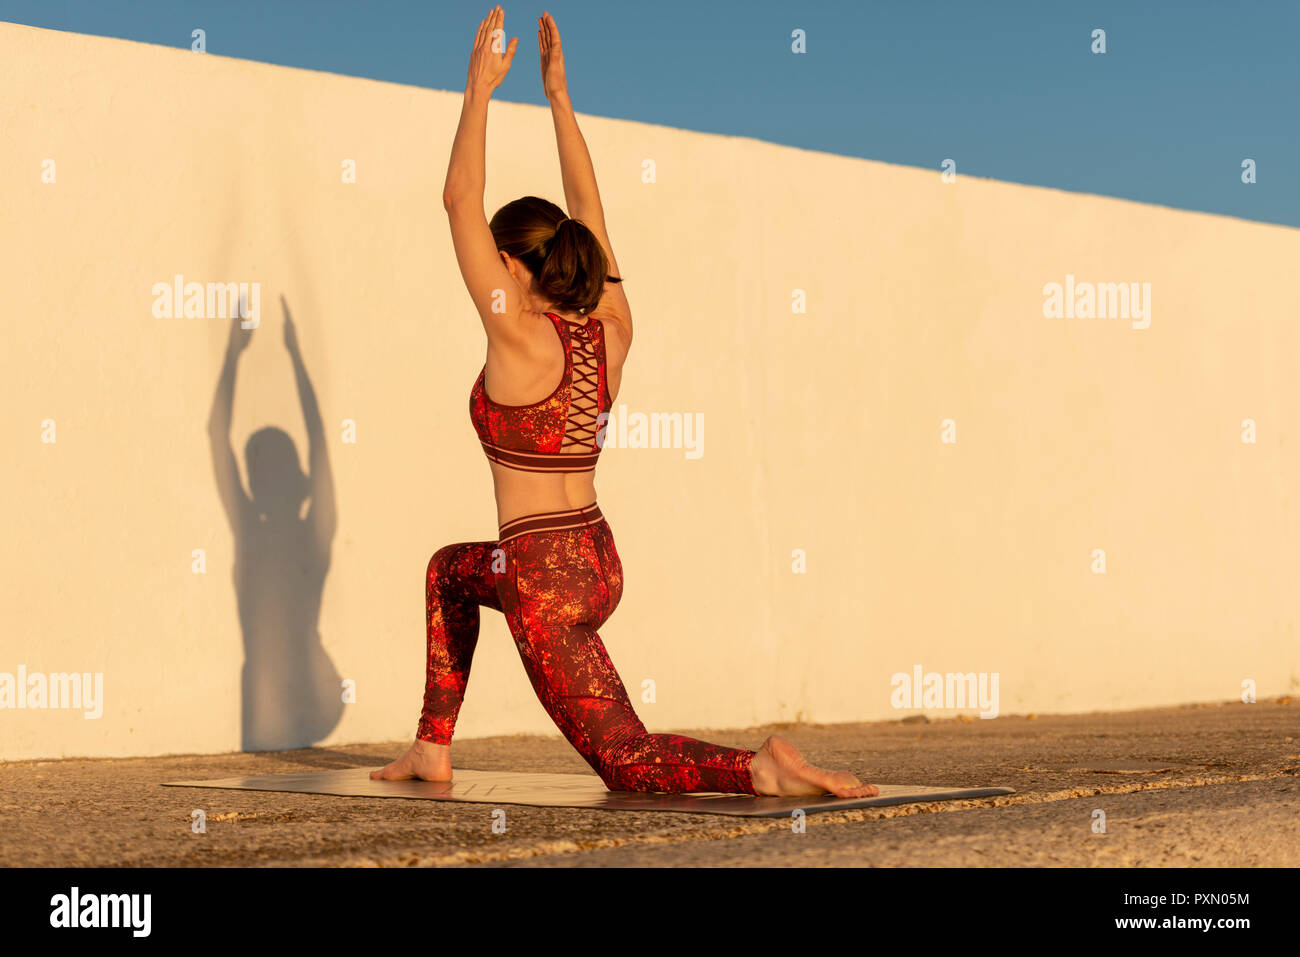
[564,255]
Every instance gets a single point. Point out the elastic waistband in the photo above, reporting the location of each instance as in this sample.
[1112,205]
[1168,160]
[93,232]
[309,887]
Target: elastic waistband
[541,461]
[550,522]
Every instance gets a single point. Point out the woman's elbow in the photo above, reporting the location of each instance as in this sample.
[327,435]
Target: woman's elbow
[454,197]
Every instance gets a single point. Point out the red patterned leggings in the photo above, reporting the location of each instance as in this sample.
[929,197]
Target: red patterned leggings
[557,578]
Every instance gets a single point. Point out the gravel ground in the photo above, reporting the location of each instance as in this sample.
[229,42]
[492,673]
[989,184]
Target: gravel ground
[1205,785]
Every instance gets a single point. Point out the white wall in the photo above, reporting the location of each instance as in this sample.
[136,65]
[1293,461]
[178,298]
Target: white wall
[822,430]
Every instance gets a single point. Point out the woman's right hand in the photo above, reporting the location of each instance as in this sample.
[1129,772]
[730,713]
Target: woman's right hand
[239,337]
[548,46]
[488,63]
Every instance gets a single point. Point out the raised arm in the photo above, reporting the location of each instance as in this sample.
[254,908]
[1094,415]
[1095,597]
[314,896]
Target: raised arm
[229,485]
[495,295]
[581,194]
[322,516]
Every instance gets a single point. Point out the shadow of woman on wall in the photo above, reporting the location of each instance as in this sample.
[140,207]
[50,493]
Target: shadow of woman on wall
[292,694]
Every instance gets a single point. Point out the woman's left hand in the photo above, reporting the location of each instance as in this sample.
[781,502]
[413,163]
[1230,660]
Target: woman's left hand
[488,65]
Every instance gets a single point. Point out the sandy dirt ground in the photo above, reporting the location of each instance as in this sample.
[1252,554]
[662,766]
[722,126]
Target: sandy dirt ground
[1205,785]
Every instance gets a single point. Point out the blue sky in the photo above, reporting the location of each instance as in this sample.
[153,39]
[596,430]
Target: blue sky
[1011,90]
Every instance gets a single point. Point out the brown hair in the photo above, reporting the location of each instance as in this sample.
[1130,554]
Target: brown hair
[565,257]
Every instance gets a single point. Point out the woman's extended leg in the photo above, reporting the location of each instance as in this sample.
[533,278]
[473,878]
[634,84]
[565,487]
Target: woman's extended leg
[576,682]
[459,579]
[562,586]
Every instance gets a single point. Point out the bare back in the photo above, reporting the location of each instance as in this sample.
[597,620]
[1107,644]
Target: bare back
[523,374]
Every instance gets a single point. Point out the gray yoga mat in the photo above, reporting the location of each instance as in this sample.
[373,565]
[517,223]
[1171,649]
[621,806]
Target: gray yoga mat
[573,790]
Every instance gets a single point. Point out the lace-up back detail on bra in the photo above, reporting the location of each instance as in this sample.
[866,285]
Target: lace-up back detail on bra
[559,433]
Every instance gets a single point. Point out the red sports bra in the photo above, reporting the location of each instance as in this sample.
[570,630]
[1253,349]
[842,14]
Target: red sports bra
[559,433]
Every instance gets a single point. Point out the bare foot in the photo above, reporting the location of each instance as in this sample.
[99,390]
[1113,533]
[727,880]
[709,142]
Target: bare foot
[779,769]
[423,760]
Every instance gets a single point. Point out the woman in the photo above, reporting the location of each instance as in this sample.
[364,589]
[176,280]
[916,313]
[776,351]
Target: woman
[547,290]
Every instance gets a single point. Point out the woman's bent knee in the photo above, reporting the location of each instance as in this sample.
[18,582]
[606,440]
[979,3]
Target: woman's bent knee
[439,568]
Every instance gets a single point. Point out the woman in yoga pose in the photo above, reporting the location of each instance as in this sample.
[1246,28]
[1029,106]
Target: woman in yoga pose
[546,287]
